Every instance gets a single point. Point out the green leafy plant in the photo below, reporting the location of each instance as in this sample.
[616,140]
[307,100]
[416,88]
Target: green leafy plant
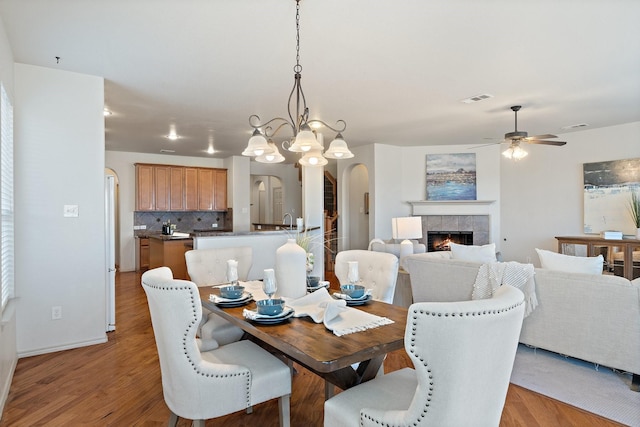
[634,208]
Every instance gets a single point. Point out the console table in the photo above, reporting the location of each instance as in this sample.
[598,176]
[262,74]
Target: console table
[629,249]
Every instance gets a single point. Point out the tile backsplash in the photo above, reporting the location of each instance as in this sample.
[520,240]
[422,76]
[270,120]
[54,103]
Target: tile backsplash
[185,222]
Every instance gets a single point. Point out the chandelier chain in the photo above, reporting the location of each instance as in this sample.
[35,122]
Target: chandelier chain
[298,67]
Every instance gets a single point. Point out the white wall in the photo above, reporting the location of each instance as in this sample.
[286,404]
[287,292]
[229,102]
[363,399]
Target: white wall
[8,351]
[291,185]
[542,195]
[59,160]
[123,165]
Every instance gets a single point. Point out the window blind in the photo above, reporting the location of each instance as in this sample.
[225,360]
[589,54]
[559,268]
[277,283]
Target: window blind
[6,198]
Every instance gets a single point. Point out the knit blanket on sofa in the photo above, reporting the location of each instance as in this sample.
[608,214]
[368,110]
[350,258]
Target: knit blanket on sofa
[491,276]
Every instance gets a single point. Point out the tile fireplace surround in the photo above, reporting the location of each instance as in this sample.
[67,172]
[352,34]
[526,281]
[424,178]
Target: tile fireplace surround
[478,224]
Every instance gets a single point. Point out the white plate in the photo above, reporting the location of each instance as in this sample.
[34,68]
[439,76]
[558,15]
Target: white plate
[263,318]
[224,302]
[273,320]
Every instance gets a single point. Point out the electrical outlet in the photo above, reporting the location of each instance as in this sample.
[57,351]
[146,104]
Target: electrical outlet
[143,227]
[56,312]
[214,225]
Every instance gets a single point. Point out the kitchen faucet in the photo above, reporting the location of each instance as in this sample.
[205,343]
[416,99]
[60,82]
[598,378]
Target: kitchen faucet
[290,220]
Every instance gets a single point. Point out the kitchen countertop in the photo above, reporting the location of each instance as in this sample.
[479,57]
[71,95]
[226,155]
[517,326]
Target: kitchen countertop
[247,233]
[213,232]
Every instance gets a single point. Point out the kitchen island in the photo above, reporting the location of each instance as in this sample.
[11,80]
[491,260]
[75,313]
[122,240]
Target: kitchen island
[165,250]
[263,243]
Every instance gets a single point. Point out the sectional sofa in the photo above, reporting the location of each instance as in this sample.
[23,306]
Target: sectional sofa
[587,316]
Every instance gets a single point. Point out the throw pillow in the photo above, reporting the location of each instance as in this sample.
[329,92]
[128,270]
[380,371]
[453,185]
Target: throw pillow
[483,254]
[569,263]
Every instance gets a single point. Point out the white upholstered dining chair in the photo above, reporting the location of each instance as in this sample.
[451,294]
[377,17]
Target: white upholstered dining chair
[199,385]
[208,267]
[463,354]
[378,271]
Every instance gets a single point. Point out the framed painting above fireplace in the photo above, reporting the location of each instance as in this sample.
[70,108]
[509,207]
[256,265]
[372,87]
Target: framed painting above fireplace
[451,176]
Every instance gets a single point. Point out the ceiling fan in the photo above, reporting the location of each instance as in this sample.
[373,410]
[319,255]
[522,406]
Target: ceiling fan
[516,137]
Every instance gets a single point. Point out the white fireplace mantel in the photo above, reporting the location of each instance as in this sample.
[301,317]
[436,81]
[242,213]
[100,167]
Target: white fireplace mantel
[451,207]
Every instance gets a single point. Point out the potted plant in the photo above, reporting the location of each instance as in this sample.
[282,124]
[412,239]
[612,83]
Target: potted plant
[634,211]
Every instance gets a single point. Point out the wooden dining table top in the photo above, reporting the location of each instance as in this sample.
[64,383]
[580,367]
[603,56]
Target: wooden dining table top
[314,346]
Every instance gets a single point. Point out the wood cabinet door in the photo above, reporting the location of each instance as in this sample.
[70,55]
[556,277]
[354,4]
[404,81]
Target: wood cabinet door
[176,200]
[162,186]
[144,188]
[191,189]
[220,198]
[205,189]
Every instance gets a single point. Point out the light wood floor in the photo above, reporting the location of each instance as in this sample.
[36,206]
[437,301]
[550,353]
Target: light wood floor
[118,384]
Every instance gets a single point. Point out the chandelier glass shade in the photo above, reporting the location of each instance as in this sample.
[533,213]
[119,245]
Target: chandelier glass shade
[271,156]
[303,138]
[515,152]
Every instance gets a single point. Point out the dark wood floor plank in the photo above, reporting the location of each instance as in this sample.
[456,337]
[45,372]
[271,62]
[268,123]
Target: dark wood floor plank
[118,383]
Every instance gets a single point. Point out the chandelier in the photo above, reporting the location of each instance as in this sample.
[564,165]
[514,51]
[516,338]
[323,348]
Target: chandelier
[304,140]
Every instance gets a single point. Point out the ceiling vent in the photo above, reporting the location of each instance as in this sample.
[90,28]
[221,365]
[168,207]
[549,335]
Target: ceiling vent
[477,98]
[579,125]
[167,151]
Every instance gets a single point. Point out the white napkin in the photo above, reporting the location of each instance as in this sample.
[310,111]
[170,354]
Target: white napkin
[343,320]
[255,287]
[313,304]
[335,314]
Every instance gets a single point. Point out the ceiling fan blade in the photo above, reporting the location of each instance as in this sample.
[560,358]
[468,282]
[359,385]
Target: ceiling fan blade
[486,145]
[545,136]
[541,141]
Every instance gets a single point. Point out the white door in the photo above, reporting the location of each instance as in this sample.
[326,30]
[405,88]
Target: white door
[109,194]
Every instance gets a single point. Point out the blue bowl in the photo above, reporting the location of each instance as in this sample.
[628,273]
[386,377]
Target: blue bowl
[354,291]
[270,307]
[313,281]
[231,292]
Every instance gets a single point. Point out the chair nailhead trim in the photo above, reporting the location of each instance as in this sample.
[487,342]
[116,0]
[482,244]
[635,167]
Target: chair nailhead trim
[415,314]
[190,332]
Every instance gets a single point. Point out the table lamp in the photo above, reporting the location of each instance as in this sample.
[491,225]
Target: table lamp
[406,228]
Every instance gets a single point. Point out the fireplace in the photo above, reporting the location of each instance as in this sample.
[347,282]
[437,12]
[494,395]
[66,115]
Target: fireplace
[439,240]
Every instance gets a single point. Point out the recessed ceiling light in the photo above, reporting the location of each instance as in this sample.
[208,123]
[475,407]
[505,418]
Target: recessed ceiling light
[167,151]
[477,98]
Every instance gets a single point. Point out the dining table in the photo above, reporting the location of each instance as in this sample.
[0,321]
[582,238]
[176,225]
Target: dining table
[318,349]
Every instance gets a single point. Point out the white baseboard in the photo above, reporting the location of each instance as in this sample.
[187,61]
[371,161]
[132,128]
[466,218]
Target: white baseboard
[70,346]
[4,390]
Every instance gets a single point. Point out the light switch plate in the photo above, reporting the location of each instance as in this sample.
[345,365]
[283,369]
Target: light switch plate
[70,211]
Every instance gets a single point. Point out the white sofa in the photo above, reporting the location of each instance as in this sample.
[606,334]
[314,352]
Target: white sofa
[393,246]
[590,317]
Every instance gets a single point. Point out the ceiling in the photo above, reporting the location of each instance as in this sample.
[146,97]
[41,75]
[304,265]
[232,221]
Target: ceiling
[394,70]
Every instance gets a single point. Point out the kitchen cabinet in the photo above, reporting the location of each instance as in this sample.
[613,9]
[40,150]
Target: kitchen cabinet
[142,254]
[212,189]
[220,185]
[191,189]
[161,187]
[144,188]
[180,188]
[176,189]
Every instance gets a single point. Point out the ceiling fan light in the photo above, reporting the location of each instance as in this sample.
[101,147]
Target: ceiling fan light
[257,145]
[338,149]
[515,152]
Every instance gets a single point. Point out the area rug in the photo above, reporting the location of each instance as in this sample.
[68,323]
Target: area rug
[601,391]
